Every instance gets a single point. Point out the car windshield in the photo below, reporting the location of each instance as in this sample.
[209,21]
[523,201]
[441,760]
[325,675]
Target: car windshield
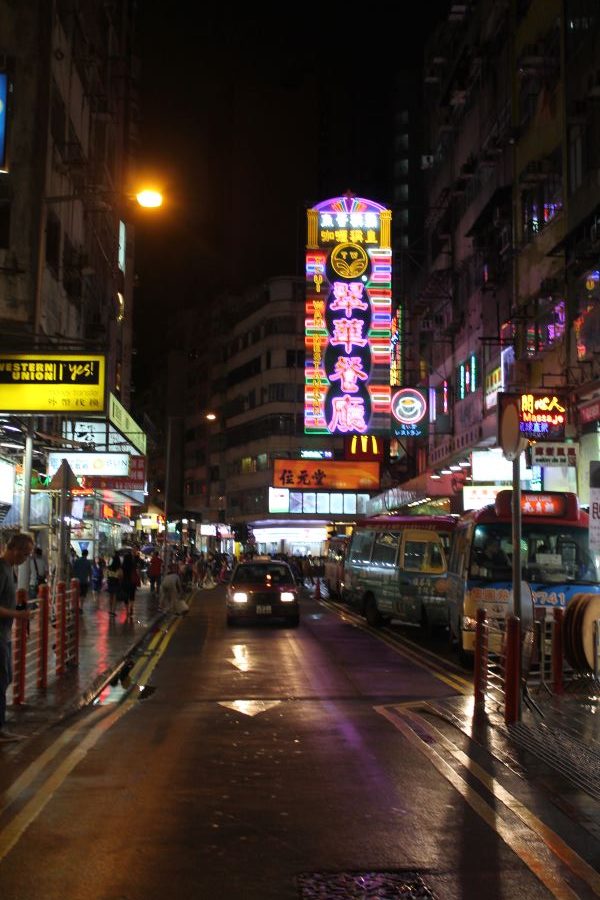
[550,554]
[258,574]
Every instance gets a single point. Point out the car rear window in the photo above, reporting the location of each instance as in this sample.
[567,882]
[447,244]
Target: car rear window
[258,574]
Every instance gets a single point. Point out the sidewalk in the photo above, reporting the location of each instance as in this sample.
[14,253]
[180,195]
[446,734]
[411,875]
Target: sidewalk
[104,644]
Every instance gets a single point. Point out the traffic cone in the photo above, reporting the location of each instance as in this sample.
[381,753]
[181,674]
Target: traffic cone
[318,589]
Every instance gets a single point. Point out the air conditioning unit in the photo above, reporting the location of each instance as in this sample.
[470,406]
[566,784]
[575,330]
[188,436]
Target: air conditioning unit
[427,161]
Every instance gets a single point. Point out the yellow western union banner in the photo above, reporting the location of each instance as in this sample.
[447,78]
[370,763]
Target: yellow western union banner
[52,383]
[325,475]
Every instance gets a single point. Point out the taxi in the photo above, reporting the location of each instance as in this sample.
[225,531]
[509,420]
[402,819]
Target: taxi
[263,590]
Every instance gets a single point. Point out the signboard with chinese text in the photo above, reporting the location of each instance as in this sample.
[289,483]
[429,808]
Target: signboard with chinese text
[115,464]
[542,414]
[554,454]
[305,474]
[134,481]
[348,317]
[410,412]
[52,383]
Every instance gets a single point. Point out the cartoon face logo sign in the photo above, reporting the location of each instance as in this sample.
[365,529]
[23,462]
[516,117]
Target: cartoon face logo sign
[408,406]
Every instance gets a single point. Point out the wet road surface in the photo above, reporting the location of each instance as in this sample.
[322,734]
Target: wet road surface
[269,762]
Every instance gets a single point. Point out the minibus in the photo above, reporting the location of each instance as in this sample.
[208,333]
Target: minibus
[393,566]
[555,560]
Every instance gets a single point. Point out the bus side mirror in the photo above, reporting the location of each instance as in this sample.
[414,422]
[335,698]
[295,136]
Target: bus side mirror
[441,586]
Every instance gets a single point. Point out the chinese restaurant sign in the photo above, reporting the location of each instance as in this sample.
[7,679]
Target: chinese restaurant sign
[348,318]
[51,383]
[306,474]
[542,414]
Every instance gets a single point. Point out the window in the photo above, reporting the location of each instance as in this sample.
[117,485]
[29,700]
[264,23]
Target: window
[385,549]
[415,553]
[360,549]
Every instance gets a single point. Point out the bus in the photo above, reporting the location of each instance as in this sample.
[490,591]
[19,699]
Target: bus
[555,560]
[336,548]
[393,567]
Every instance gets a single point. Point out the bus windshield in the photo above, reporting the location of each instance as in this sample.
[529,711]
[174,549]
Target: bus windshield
[550,554]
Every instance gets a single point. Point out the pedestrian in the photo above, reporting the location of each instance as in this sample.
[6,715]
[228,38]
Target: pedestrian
[38,572]
[82,572]
[130,582]
[171,599]
[114,576]
[17,551]
[98,567]
[155,571]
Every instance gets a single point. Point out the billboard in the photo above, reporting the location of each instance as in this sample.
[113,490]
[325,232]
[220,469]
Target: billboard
[348,317]
[52,383]
[306,474]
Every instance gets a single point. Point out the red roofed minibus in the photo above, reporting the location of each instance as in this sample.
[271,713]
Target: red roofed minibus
[555,560]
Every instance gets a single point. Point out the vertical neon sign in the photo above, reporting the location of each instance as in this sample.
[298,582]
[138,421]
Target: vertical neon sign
[348,318]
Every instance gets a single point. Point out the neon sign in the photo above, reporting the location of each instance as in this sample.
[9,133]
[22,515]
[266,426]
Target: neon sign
[409,409]
[542,415]
[348,318]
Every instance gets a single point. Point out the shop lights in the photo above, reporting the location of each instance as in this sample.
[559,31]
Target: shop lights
[464,464]
[436,476]
[446,471]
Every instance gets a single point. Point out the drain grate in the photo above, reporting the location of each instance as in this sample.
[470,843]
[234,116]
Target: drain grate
[364,886]
[567,755]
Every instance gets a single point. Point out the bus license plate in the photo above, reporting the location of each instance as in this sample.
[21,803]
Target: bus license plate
[263,609]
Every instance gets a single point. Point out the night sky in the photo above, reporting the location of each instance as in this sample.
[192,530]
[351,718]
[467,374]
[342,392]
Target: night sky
[246,120]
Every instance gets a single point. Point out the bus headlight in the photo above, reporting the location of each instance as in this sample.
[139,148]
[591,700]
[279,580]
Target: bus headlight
[240,597]
[287,597]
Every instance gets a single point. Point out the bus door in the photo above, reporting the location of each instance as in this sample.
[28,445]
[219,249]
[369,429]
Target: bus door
[421,564]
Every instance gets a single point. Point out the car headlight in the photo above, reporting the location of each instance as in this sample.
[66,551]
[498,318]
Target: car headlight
[287,597]
[240,597]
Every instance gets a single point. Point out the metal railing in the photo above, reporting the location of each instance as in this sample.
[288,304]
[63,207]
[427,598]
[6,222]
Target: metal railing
[33,651]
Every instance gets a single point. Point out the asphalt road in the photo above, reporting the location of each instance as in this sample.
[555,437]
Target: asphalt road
[265,762]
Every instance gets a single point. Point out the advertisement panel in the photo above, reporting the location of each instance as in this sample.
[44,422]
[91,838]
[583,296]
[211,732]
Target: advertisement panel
[348,317]
[542,414]
[115,464]
[306,474]
[52,383]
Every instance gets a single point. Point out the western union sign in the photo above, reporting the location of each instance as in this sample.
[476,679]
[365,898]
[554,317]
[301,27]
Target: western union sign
[52,383]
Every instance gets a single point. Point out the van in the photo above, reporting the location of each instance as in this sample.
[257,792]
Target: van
[393,567]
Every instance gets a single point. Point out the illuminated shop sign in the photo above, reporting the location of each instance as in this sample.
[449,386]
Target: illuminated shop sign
[305,474]
[316,454]
[348,318]
[115,464]
[363,446]
[542,414]
[493,384]
[7,482]
[410,412]
[49,383]
[554,454]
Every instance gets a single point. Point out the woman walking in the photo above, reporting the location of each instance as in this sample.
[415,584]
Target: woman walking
[131,580]
[113,582]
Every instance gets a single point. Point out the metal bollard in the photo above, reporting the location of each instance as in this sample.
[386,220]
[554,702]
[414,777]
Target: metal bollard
[44,598]
[75,609]
[61,630]
[318,589]
[481,659]
[512,671]
[20,654]
[558,651]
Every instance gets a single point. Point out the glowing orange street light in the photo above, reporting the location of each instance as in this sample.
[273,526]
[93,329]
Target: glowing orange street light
[149,198]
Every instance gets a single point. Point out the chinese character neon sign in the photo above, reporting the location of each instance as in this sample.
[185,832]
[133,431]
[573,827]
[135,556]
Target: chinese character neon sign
[542,414]
[348,318]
